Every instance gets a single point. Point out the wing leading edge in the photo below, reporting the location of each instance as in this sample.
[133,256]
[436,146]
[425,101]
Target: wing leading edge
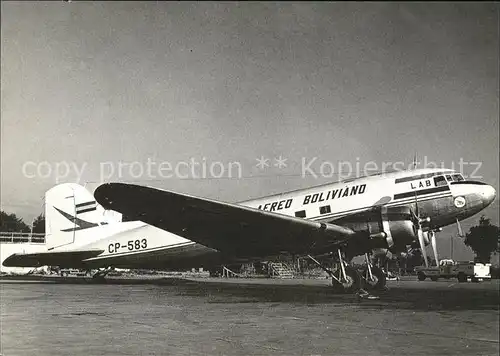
[231,229]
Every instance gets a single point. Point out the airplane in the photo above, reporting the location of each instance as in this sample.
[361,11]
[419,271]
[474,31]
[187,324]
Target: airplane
[341,220]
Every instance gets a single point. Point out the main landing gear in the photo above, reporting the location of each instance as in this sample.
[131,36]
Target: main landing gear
[347,279]
[373,276]
[101,273]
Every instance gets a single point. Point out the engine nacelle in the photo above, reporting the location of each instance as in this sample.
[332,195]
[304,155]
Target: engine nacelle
[391,228]
[397,223]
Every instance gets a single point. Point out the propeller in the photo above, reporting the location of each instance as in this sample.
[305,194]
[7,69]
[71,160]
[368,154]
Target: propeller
[420,233]
[421,241]
[459,227]
[434,246]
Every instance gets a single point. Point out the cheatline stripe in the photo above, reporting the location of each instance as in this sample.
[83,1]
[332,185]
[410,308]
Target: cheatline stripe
[85,204]
[347,212]
[391,204]
[86,210]
[421,192]
[428,197]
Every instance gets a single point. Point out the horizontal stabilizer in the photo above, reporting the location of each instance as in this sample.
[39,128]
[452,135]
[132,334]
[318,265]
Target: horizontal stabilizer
[62,259]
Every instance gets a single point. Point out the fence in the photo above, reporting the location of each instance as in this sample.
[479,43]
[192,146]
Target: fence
[21,237]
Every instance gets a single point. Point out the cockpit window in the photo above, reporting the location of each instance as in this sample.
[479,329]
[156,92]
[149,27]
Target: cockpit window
[440,181]
[458,178]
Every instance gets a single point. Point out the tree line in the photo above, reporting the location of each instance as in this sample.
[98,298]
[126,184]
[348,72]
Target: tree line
[12,223]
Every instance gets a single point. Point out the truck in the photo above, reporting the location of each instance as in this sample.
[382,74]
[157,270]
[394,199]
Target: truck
[462,270]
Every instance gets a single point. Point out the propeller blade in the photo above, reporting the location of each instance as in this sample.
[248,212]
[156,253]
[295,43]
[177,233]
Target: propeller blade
[459,227]
[420,234]
[434,246]
[417,213]
[426,238]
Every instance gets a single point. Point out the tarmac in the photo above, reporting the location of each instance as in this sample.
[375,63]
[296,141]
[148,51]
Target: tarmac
[171,316]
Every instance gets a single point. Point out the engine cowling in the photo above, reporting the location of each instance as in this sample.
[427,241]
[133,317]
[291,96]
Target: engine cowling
[397,223]
[387,227]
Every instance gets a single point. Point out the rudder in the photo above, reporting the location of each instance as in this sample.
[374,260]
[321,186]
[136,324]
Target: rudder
[70,209]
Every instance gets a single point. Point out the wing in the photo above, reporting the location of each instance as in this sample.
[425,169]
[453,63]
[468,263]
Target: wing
[63,258]
[231,229]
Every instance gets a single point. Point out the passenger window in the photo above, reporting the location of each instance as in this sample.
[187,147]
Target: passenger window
[458,177]
[300,214]
[448,178]
[440,181]
[325,209]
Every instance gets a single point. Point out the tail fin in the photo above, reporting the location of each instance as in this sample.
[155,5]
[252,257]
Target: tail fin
[70,209]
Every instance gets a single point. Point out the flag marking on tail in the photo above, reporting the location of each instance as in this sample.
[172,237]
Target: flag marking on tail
[86,207]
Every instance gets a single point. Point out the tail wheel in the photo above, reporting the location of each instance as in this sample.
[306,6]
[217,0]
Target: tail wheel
[434,278]
[215,272]
[351,284]
[378,279]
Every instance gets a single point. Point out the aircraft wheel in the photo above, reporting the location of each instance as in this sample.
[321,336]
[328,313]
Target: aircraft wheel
[421,276]
[433,278]
[462,277]
[99,278]
[215,272]
[378,281]
[353,282]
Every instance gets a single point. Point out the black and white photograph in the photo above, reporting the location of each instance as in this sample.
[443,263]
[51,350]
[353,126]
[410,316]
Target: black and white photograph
[249,178]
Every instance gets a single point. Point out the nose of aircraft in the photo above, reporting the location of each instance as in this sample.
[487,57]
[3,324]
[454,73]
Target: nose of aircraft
[488,195]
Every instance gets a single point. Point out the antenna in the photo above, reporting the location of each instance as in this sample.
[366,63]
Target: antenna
[415,161]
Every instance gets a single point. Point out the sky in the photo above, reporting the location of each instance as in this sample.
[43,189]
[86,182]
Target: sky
[93,91]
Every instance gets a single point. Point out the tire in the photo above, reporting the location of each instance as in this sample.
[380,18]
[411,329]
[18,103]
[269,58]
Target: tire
[421,276]
[99,278]
[379,279]
[462,277]
[215,272]
[434,278]
[353,283]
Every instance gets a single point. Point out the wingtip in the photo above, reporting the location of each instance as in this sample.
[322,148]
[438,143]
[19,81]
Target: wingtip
[104,193]
[101,195]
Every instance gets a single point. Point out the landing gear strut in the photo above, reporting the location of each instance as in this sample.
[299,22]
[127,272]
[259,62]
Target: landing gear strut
[373,276]
[101,273]
[344,277]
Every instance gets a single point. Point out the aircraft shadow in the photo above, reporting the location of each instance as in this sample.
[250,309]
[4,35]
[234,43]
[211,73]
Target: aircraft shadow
[437,296]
